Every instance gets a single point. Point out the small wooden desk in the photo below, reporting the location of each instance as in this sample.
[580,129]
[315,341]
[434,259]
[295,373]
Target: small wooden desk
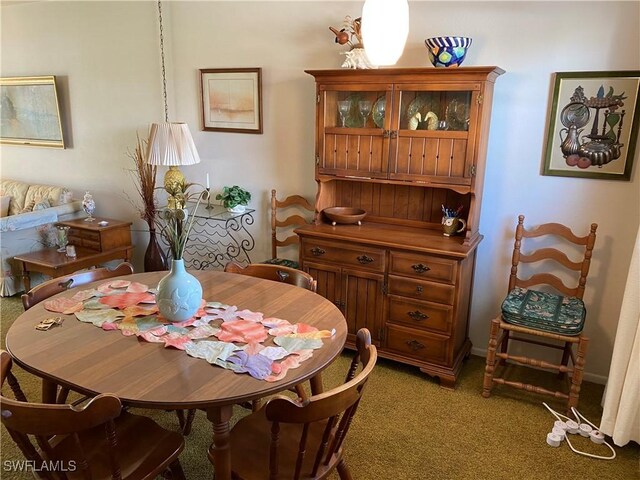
[94,244]
[147,375]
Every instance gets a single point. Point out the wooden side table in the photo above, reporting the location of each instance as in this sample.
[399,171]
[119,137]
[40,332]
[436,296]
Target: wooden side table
[95,244]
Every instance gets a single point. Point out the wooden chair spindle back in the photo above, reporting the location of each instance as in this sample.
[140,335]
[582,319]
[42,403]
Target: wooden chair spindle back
[44,421]
[558,256]
[293,220]
[336,407]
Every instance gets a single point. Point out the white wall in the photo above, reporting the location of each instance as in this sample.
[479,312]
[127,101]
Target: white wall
[107,54]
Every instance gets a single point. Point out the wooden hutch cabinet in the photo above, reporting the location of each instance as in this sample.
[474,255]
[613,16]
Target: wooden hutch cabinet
[400,143]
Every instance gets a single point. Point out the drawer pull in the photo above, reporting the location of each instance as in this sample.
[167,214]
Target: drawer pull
[418,316]
[420,289]
[415,345]
[420,268]
[316,251]
[364,259]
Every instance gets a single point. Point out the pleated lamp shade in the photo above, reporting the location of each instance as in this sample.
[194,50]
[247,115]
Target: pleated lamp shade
[171,144]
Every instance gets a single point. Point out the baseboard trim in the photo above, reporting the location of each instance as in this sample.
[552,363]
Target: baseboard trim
[590,377]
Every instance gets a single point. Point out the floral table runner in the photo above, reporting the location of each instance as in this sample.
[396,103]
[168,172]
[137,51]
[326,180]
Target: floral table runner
[246,341]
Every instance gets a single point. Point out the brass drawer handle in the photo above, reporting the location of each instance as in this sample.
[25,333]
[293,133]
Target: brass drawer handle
[316,251]
[420,268]
[364,259]
[418,316]
[414,344]
[420,289]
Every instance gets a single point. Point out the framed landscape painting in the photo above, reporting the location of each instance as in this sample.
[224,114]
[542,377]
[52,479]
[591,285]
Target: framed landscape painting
[232,100]
[29,112]
[593,125]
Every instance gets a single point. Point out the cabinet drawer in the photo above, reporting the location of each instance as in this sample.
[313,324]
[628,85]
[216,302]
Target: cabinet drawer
[343,254]
[423,315]
[417,344]
[421,289]
[91,244]
[423,266]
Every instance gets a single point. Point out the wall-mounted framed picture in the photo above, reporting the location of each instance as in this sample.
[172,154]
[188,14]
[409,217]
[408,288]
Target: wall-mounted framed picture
[232,99]
[593,125]
[29,112]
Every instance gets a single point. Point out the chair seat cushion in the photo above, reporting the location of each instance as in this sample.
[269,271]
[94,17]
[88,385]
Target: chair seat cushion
[283,262]
[544,311]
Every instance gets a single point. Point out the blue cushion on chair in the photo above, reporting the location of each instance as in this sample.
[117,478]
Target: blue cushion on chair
[283,262]
[544,311]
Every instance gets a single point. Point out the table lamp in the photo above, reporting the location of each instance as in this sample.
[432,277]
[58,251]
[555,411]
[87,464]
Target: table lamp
[171,145]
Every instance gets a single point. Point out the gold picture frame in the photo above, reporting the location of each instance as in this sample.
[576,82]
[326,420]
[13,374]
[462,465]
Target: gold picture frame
[593,125]
[30,113]
[231,100]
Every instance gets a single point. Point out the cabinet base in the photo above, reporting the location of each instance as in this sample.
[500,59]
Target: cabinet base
[445,374]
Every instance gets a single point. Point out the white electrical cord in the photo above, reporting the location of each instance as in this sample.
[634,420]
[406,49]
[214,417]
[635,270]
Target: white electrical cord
[568,425]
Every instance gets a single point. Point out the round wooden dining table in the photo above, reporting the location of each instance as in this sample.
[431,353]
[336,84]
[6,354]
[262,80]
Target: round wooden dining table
[148,375]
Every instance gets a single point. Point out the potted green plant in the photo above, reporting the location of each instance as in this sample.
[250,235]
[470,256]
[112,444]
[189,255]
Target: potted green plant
[235,199]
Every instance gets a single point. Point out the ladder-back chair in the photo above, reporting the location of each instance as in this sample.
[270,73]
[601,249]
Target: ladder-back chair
[295,203]
[60,284]
[543,315]
[293,439]
[93,441]
[277,273]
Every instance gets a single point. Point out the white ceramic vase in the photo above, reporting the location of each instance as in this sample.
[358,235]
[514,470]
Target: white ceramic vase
[179,293]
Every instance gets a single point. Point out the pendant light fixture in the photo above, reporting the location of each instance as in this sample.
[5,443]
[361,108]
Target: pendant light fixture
[385,27]
[170,143]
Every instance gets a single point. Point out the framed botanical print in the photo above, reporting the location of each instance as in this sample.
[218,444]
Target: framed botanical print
[232,100]
[593,125]
[29,112]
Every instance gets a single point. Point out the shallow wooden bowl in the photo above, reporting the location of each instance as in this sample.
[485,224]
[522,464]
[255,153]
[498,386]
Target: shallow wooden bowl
[344,215]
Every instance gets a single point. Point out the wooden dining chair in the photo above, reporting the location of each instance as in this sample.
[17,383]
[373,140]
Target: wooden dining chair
[543,316]
[277,273]
[294,439]
[299,206]
[60,284]
[94,441]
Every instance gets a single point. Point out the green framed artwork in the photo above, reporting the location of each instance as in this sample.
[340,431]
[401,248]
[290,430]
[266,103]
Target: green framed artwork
[29,113]
[593,125]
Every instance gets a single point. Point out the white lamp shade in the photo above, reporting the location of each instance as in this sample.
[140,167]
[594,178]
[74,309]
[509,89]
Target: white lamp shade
[385,27]
[171,144]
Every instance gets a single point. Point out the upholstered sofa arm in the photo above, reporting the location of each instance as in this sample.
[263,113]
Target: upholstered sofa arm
[26,233]
[37,218]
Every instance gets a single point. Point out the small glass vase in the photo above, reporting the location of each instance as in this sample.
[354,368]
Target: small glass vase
[89,206]
[179,293]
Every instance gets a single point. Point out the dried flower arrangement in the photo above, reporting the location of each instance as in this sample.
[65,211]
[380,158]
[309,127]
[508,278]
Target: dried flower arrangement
[175,229]
[144,176]
[351,32]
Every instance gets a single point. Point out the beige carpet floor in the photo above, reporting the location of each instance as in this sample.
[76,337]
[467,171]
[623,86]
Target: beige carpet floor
[407,427]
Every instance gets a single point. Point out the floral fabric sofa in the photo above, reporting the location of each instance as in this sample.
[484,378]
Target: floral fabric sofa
[29,213]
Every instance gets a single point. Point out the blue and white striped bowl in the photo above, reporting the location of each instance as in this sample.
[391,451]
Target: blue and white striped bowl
[447,51]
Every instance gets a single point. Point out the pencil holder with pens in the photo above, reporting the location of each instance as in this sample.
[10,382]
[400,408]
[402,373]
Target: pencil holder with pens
[452,224]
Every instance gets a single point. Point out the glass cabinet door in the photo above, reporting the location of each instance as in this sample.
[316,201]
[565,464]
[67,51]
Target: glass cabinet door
[434,125]
[353,139]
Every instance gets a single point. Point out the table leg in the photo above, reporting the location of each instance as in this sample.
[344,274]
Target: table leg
[219,452]
[26,278]
[49,391]
[316,384]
